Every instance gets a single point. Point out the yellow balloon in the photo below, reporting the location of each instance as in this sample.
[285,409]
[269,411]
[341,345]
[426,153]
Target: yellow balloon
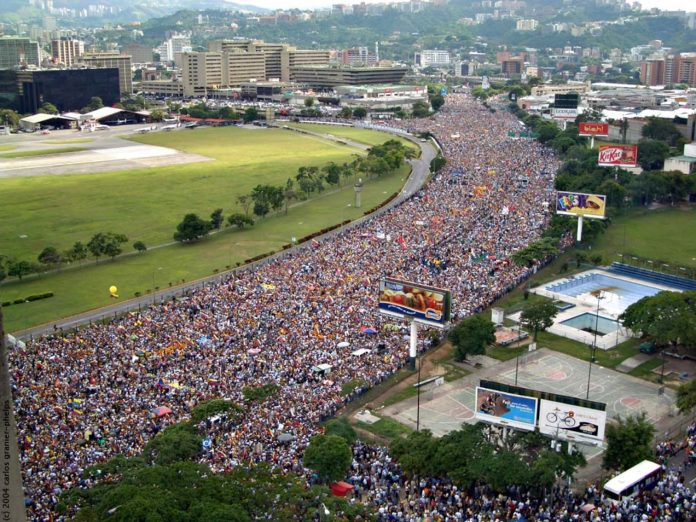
[113,289]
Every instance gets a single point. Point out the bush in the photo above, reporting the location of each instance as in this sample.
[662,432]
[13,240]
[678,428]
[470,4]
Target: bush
[5,304]
[18,301]
[37,297]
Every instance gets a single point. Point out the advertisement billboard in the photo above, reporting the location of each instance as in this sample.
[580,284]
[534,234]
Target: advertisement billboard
[574,423]
[423,304]
[590,128]
[506,409]
[560,112]
[579,204]
[618,156]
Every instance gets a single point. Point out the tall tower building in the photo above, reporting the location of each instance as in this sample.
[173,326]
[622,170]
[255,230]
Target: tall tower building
[67,51]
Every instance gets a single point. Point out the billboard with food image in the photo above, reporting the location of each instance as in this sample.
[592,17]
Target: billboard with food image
[618,156]
[579,204]
[420,303]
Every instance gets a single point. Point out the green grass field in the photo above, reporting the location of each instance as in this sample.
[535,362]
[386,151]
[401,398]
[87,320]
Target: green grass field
[86,287]
[59,210]
[5,148]
[40,152]
[365,136]
[663,234]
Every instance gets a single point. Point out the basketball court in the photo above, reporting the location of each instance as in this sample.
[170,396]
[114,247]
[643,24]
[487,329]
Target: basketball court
[444,409]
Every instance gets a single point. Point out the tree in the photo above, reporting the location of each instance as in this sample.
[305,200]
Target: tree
[332,173]
[139,246]
[537,251]
[261,208]
[18,269]
[652,154]
[9,117]
[157,115]
[538,315]
[216,218]
[437,101]
[668,317]
[359,112]
[78,252]
[48,108]
[251,114]
[191,228]
[686,396]
[95,102]
[346,113]
[245,202]
[309,102]
[97,245]
[662,130]
[49,256]
[471,336]
[341,428]
[112,244]
[420,110]
[239,220]
[629,441]
[329,456]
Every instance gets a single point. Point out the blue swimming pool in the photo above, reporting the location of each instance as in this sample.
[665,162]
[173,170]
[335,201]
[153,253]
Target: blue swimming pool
[626,291]
[589,322]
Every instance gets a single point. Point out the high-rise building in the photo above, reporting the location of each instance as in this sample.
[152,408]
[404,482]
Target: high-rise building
[652,72]
[201,72]
[178,43]
[18,51]
[122,63]
[67,50]
[64,88]
[139,53]
[512,66]
[675,68]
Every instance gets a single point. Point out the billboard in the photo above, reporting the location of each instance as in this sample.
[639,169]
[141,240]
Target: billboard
[618,156]
[574,423]
[579,204]
[589,128]
[506,409]
[420,303]
[563,112]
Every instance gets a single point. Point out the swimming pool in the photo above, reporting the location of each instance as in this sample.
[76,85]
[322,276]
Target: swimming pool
[587,322]
[616,293]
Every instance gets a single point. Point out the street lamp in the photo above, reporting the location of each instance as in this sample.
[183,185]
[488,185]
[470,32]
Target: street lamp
[593,348]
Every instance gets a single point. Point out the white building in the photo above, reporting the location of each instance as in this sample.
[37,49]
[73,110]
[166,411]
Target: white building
[527,25]
[178,43]
[432,58]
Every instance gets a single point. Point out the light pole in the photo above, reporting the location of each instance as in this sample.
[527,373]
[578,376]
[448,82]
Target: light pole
[153,283]
[593,348]
[418,395]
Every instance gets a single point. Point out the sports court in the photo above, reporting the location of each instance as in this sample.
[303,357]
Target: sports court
[445,408]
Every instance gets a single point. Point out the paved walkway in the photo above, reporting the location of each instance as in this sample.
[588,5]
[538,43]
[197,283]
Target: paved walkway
[633,362]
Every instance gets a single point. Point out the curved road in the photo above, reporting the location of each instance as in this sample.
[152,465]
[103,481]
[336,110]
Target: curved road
[420,169]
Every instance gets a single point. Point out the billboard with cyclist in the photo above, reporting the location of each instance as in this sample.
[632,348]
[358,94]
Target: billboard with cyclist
[506,409]
[574,423]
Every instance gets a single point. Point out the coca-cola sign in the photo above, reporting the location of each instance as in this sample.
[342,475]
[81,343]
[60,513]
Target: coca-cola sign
[593,129]
[618,155]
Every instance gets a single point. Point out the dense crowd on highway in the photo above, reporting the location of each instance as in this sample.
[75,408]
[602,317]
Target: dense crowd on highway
[106,390]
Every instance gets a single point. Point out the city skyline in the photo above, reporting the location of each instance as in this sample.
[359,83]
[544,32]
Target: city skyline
[665,5]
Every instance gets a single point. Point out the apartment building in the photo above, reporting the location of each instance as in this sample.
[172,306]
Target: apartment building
[67,50]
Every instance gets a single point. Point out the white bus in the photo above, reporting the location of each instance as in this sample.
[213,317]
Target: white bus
[628,484]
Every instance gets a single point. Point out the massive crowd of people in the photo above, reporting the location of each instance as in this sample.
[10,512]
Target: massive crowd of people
[106,390]
[378,480]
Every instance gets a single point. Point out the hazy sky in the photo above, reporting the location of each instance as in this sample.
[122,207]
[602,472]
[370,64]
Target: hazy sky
[685,5]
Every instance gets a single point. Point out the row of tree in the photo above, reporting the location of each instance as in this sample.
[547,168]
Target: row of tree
[102,244]
[263,199]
